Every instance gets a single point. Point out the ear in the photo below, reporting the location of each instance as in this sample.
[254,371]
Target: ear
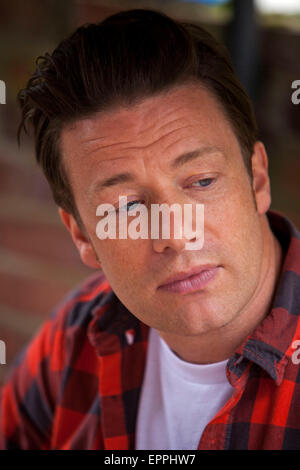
[260,178]
[83,245]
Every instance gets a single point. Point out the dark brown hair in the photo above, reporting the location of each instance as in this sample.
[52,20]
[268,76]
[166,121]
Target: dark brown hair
[127,57]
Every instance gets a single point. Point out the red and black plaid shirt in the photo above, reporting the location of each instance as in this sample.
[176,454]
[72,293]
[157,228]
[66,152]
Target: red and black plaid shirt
[77,384]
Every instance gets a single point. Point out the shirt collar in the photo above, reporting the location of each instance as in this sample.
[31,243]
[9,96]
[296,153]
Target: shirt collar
[270,345]
[113,326]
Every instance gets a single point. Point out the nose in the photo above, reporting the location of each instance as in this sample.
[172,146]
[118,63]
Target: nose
[179,229]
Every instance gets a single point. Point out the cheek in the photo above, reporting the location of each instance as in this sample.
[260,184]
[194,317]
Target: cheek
[122,263]
[235,224]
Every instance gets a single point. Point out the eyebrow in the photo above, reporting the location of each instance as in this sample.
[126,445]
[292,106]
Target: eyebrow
[127,177]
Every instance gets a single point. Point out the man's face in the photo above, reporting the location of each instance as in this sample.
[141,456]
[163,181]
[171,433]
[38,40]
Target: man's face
[144,140]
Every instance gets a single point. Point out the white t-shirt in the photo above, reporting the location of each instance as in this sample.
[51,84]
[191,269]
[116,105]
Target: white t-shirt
[178,398]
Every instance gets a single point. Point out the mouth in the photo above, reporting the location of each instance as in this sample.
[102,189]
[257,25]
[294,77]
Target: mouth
[194,280]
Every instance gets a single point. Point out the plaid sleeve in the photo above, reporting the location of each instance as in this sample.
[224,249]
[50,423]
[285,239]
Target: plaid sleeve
[27,400]
[33,391]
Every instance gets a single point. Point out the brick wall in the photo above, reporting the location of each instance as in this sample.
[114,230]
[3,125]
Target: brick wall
[38,262]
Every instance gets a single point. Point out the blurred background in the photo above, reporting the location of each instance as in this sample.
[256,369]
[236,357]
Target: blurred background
[38,261]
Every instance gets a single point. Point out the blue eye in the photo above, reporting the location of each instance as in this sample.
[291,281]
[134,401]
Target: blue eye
[128,206]
[204,182]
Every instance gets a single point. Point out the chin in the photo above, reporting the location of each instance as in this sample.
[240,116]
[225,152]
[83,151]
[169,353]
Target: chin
[195,321]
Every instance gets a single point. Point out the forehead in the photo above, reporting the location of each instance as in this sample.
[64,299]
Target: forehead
[160,125]
[193,103]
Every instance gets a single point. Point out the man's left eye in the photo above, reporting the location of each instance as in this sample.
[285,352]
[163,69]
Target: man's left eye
[128,206]
[204,182]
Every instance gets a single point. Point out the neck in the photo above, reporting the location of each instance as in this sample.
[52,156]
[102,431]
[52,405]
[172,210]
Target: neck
[198,349]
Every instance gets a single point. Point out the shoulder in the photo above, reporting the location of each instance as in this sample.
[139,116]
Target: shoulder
[57,360]
[55,342]
[76,309]
[67,327]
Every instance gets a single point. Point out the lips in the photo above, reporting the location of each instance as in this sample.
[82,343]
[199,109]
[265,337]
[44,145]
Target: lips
[195,279]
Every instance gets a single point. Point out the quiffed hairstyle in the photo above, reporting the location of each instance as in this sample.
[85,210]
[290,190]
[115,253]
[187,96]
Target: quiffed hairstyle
[127,57]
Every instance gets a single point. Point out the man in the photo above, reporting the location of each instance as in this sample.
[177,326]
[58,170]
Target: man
[166,347]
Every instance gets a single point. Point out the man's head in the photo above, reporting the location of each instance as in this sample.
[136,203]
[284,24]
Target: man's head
[128,57]
[130,95]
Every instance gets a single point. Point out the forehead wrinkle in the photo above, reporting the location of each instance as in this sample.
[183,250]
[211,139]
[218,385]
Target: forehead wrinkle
[90,141]
[173,122]
[105,147]
[136,148]
[147,146]
[163,116]
[133,148]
